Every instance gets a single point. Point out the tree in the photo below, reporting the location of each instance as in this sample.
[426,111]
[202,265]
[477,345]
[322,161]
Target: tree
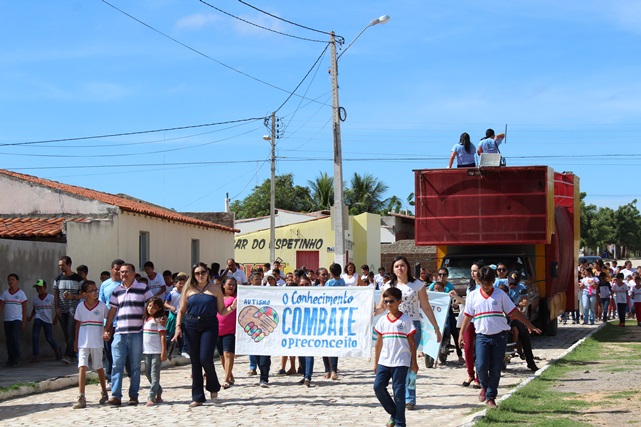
[365,194]
[394,204]
[627,221]
[288,196]
[322,191]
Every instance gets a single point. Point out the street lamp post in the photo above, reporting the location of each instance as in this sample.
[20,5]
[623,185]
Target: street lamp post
[272,191]
[339,221]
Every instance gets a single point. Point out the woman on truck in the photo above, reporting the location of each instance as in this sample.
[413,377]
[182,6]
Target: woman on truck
[463,152]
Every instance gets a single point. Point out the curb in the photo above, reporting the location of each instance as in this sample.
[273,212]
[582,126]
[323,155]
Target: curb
[67,381]
[478,417]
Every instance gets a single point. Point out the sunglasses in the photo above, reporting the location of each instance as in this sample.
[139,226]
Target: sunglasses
[442,274]
[199,273]
[389,301]
[501,269]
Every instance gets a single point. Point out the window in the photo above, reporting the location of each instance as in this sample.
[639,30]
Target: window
[143,248]
[195,251]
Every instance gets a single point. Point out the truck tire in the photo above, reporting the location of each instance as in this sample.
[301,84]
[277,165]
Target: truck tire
[549,327]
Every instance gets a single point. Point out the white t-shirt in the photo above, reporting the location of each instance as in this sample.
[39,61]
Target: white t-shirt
[350,281]
[156,284]
[635,294]
[239,275]
[604,289]
[394,333]
[151,336]
[620,293]
[44,308]
[13,305]
[489,313]
[410,304]
[91,324]
[174,299]
[379,280]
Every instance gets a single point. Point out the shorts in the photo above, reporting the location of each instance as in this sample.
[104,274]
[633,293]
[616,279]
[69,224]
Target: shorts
[96,357]
[227,343]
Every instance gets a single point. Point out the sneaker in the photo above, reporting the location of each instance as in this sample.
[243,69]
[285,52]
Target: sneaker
[482,395]
[532,367]
[185,355]
[490,403]
[263,384]
[103,399]
[108,386]
[307,383]
[66,360]
[133,401]
[410,406]
[114,401]
[252,372]
[390,423]
[81,403]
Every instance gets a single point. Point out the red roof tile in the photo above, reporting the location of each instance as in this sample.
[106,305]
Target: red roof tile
[34,227]
[121,202]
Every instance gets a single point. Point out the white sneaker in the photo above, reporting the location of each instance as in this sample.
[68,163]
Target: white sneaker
[185,354]
[66,360]
[108,386]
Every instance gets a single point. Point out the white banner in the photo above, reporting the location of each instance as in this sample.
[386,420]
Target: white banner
[440,303]
[304,321]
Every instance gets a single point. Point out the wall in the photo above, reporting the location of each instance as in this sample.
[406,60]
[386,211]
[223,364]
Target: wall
[30,261]
[425,255]
[32,199]
[367,240]
[94,244]
[282,218]
[170,242]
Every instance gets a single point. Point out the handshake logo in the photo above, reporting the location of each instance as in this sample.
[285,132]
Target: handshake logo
[258,323]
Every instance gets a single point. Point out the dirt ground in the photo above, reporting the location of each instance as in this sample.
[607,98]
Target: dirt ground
[610,386]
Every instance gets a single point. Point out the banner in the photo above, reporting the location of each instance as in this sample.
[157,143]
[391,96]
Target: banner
[440,303]
[304,321]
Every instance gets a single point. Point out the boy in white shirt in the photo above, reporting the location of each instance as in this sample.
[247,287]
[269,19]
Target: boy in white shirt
[394,357]
[90,316]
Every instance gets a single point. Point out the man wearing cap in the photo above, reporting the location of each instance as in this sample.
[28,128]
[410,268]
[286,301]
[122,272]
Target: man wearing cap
[515,291]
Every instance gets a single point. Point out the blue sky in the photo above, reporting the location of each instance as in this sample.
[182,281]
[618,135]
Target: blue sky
[563,76]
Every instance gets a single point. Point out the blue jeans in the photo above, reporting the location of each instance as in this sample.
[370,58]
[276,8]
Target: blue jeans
[152,372]
[589,306]
[410,395]
[12,335]
[202,338]
[395,407]
[253,362]
[264,363]
[331,364]
[490,351]
[35,336]
[309,367]
[123,346]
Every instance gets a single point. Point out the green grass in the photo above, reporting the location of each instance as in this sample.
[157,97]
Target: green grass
[536,404]
[18,386]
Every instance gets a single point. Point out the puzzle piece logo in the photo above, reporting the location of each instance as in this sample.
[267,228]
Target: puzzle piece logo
[258,323]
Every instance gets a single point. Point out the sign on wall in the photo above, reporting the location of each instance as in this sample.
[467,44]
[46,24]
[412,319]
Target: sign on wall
[304,321]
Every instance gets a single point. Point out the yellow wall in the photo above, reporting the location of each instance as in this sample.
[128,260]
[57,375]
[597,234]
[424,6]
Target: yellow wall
[316,235]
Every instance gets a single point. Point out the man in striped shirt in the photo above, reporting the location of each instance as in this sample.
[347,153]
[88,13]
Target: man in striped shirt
[127,305]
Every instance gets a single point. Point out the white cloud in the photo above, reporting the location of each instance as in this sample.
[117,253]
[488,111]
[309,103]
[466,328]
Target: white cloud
[196,21]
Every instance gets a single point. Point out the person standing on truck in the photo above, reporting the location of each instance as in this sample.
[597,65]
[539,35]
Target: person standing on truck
[463,152]
[488,306]
[414,298]
[490,144]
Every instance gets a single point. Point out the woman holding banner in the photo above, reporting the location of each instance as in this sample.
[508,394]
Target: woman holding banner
[414,298]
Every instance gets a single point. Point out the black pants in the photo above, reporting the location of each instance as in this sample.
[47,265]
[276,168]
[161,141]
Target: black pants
[526,342]
[264,363]
[621,306]
[68,324]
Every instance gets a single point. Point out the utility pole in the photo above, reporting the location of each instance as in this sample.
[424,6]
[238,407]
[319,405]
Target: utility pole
[272,196]
[339,231]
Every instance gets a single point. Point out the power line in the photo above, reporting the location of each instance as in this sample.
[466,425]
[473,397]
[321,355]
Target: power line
[196,50]
[304,78]
[260,26]
[113,135]
[289,22]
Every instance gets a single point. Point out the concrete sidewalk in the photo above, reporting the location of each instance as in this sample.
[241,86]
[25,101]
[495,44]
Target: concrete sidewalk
[350,401]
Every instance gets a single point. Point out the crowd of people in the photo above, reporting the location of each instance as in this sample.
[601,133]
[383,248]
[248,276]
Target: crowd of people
[607,291]
[130,318]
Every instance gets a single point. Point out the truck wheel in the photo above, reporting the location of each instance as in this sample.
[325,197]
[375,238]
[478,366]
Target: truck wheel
[549,327]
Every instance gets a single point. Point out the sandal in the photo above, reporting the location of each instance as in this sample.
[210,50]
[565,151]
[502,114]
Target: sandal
[226,385]
[467,382]
[327,375]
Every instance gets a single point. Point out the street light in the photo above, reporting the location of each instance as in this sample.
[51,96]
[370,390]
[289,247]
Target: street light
[339,226]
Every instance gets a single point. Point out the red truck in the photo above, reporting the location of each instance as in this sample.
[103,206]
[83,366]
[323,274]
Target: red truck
[525,216]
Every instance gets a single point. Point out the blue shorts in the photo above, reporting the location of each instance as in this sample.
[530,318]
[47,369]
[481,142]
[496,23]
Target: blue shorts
[226,344]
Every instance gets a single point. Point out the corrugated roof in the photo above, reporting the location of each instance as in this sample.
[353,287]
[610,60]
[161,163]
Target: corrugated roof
[34,227]
[121,202]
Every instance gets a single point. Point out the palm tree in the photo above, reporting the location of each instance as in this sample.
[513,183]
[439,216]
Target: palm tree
[365,194]
[394,204]
[322,191]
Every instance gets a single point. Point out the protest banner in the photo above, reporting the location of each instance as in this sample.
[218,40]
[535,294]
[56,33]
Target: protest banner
[304,321]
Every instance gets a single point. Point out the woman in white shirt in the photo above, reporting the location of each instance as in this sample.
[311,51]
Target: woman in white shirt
[350,277]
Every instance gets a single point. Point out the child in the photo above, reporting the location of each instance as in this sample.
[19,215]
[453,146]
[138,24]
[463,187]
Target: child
[635,297]
[621,297]
[90,316]
[154,348]
[173,304]
[14,303]
[226,344]
[45,318]
[331,363]
[395,355]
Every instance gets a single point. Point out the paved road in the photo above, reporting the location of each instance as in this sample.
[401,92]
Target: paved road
[350,401]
